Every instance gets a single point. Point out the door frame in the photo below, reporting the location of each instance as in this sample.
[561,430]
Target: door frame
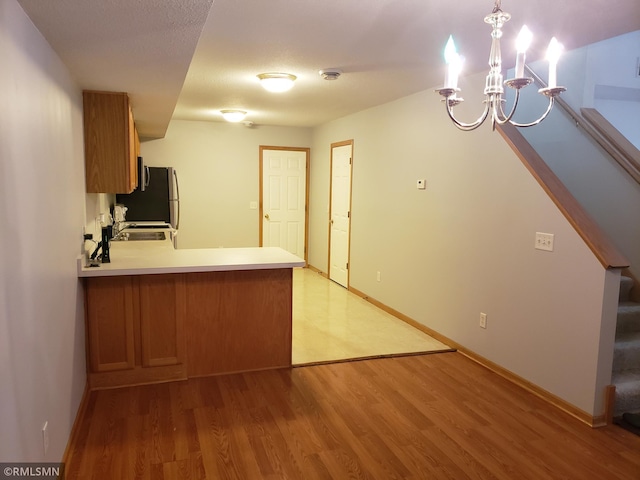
[334,145]
[307,152]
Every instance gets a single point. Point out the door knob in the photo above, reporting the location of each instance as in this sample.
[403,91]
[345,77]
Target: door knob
[267,216]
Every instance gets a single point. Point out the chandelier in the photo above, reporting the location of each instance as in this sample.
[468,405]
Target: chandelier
[494,90]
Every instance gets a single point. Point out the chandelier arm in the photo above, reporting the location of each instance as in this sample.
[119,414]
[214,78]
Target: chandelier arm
[536,122]
[468,126]
[503,118]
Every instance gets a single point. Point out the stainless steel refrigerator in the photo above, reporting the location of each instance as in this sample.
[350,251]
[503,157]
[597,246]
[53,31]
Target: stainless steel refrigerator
[158,202]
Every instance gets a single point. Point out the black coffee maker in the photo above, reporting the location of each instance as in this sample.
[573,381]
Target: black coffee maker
[107,233]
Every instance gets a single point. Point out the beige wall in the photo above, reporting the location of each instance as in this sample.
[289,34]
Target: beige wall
[42,359]
[465,245]
[218,168]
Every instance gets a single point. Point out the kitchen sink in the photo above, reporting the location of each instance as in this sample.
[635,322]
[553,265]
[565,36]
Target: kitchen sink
[133,236]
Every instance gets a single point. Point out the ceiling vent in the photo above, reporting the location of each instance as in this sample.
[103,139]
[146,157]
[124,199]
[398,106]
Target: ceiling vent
[330,73]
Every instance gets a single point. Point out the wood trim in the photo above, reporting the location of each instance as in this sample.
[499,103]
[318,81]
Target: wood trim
[585,226]
[307,151]
[625,153]
[260,196]
[549,397]
[601,131]
[609,404]
[494,367]
[75,428]
[318,271]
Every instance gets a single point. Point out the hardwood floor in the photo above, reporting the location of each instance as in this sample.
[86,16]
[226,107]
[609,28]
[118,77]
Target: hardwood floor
[438,416]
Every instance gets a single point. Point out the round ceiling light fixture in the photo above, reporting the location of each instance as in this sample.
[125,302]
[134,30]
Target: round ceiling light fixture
[330,73]
[277,82]
[233,116]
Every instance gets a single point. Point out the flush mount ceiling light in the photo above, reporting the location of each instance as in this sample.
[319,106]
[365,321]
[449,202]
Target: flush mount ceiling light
[233,116]
[277,82]
[330,73]
[493,88]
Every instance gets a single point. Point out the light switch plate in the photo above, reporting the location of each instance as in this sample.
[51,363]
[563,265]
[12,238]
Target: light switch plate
[421,184]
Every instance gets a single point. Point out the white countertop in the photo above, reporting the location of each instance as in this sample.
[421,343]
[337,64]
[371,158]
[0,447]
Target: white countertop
[154,257]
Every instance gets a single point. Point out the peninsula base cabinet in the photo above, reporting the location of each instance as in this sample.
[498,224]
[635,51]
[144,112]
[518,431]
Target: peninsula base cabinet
[158,328]
[135,329]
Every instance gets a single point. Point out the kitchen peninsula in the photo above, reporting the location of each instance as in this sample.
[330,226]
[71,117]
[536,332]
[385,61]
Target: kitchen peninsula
[157,314]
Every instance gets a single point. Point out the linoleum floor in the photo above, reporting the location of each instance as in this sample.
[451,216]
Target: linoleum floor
[332,324]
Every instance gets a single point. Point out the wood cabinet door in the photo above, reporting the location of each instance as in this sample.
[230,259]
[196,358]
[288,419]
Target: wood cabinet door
[110,319]
[162,312]
[109,143]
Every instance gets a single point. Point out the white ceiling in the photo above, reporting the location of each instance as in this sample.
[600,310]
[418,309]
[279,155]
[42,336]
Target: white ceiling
[187,59]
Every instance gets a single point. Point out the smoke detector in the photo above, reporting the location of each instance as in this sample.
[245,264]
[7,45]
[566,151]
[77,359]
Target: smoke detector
[330,73]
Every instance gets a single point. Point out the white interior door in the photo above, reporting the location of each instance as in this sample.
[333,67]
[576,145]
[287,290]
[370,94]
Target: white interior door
[340,215]
[284,197]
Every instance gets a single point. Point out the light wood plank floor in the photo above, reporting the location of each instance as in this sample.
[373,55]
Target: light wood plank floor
[415,417]
[330,323]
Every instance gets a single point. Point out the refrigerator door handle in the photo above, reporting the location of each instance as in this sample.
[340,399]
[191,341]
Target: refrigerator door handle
[143,175]
[177,200]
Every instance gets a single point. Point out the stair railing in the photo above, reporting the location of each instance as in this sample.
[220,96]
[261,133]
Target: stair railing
[602,132]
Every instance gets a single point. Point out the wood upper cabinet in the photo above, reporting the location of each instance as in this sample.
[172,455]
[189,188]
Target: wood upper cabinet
[110,143]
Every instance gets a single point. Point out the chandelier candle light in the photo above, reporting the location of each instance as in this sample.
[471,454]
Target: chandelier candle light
[493,88]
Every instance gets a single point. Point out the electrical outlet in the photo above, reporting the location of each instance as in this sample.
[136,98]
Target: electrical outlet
[544,241]
[483,320]
[45,437]
[378,276]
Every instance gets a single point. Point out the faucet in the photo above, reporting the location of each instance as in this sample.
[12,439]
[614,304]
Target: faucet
[120,231]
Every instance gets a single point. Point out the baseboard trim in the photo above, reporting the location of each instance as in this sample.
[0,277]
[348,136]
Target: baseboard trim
[545,395]
[317,270]
[73,436]
[549,397]
[609,404]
